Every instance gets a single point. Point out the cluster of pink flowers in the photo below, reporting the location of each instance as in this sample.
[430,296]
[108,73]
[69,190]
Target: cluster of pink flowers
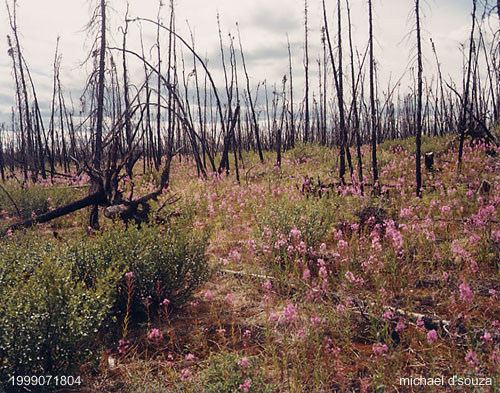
[432,336]
[400,326]
[380,349]
[209,295]
[243,362]
[466,294]
[353,280]
[123,346]
[186,375]
[245,387]
[289,313]
[155,335]
[471,357]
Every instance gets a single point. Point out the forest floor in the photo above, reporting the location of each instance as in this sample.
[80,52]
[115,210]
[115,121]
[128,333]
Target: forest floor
[320,287]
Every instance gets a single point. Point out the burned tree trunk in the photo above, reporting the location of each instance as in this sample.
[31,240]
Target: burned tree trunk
[419,102]
[306,71]
[96,185]
[465,98]
[373,118]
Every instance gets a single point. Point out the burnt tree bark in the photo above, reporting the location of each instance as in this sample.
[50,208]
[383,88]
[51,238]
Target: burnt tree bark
[96,185]
[419,102]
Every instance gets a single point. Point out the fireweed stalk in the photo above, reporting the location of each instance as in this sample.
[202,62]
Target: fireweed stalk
[129,289]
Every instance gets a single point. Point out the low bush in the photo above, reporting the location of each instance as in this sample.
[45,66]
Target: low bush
[35,199]
[166,263]
[55,298]
[48,320]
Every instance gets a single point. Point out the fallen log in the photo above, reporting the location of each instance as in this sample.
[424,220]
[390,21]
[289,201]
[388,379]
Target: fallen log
[93,199]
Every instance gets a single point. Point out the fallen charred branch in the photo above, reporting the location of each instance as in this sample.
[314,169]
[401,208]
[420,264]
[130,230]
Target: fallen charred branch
[109,197]
[93,199]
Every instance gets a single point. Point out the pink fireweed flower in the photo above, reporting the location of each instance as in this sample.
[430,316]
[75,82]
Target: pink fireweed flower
[123,346]
[295,234]
[189,357]
[340,308]
[244,362]
[343,244]
[155,335]
[10,234]
[432,336]
[313,321]
[209,295]
[379,349]
[165,302]
[323,272]
[289,313]
[350,277]
[186,375]
[322,248]
[420,323]
[273,318]
[267,285]
[487,337]
[400,326]
[306,274]
[474,238]
[388,314]
[405,213]
[471,357]
[129,275]
[245,386]
[466,294]
[302,248]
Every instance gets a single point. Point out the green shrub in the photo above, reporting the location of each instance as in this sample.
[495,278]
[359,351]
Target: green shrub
[167,263]
[35,198]
[20,257]
[55,298]
[48,320]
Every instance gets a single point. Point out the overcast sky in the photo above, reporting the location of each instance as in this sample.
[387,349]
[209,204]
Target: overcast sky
[264,25]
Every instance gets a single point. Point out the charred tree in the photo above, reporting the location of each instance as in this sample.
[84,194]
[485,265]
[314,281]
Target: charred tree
[95,184]
[306,72]
[418,119]
[465,98]
[373,108]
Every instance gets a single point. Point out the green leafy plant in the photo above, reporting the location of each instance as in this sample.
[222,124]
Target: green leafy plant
[48,320]
[166,263]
